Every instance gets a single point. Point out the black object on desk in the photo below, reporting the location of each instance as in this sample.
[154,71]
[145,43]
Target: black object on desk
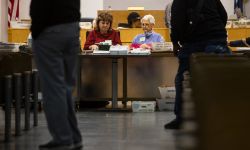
[104,47]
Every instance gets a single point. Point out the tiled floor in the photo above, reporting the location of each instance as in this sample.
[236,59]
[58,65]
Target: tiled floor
[105,131]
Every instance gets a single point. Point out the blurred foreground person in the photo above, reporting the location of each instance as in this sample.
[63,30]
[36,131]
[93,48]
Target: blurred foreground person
[196,26]
[55,32]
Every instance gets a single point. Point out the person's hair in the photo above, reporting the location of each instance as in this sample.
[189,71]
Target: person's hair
[94,23]
[150,18]
[132,17]
[104,16]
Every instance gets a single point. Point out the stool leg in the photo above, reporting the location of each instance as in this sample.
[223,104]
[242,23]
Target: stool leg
[27,83]
[35,96]
[8,102]
[17,90]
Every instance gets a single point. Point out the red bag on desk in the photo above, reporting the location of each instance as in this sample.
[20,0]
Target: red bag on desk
[136,45]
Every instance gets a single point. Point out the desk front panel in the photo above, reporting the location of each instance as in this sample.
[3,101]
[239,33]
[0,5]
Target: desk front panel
[144,75]
[237,33]
[18,35]
[248,32]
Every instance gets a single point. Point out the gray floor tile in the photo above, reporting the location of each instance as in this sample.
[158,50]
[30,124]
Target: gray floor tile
[105,131]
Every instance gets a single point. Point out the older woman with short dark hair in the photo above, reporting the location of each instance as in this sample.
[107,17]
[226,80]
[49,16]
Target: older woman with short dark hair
[102,32]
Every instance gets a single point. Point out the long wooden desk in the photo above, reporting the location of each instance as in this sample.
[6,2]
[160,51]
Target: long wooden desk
[127,35]
[133,77]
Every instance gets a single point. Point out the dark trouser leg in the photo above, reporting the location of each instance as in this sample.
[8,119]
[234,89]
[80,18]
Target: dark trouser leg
[183,66]
[70,62]
[52,48]
[184,56]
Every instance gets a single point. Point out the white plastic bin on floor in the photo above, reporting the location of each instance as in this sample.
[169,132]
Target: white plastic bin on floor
[167,92]
[143,106]
[166,104]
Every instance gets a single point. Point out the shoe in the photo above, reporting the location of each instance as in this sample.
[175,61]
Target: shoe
[54,146]
[173,125]
[77,146]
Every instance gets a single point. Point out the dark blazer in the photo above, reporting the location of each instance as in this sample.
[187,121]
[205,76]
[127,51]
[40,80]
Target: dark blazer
[211,26]
[45,13]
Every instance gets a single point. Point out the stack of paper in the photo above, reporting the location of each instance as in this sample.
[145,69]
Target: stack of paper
[100,52]
[9,47]
[243,48]
[140,51]
[119,50]
[162,47]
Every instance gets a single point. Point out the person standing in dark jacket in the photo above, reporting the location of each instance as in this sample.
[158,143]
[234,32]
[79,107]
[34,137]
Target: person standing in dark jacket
[55,33]
[207,34]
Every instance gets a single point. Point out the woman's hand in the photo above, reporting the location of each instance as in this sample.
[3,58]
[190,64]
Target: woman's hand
[93,47]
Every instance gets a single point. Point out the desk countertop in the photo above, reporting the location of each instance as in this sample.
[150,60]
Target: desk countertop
[154,54]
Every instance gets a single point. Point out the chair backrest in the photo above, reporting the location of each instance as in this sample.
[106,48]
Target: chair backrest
[124,25]
[86,19]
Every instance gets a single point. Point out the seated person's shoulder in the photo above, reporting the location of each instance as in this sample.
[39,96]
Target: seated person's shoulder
[91,31]
[248,40]
[160,37]
[138,37]
[114,30]
[157,34]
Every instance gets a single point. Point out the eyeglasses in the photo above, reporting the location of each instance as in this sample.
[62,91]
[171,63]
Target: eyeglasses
[145,24]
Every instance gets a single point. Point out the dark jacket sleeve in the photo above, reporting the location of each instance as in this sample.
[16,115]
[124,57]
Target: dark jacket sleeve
[178,20]
[90,40]
[222,12]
